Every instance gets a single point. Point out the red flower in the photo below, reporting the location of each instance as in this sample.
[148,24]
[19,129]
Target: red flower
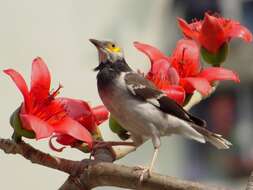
[41,112]
[182,72]
[186,60]
[80,111]
[161,73]
[213,32]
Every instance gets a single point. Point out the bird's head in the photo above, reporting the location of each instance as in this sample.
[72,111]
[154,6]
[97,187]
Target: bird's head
[108,51]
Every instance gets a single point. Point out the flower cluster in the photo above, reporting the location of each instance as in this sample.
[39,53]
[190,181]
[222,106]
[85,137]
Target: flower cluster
[43,115]
[73,122]
[182,73]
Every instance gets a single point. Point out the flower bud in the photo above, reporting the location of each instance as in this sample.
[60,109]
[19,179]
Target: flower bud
[16,124]
[116,128]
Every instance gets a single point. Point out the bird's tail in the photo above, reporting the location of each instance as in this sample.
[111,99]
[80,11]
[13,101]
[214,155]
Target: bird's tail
[215,139]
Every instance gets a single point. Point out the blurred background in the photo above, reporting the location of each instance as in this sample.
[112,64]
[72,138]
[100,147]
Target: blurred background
[58,31]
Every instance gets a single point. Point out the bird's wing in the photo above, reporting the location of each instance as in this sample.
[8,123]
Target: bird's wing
[143,89]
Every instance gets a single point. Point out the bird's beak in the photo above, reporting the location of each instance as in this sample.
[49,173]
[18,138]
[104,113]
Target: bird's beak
[97,43]
[102,55]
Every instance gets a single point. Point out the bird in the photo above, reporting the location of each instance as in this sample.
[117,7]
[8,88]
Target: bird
[141,108]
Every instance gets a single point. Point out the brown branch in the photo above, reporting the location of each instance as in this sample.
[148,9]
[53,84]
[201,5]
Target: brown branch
[39,157]
[108,174]
[88,174]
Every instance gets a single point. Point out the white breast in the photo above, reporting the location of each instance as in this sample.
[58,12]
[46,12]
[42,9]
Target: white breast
[133,114]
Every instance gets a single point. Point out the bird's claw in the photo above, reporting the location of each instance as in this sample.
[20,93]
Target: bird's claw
[145,172]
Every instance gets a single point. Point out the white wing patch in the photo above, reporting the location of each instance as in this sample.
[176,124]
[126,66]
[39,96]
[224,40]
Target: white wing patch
[133,87]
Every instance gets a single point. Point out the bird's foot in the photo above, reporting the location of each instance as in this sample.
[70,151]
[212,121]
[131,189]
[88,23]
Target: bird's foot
[145,172]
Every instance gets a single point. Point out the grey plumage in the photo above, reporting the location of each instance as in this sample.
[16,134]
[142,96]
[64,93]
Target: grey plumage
[141,108]
[148,113]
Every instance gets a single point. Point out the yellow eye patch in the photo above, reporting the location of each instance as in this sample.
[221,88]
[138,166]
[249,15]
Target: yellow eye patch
[113,48]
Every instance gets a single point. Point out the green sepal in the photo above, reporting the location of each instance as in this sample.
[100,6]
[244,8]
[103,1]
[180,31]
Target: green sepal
[215,59]
[17,126]
[83,147]
[16,137]
[118,129]
[97,135]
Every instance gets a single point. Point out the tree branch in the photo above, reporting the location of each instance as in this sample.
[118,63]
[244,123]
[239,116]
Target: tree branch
[88,174]
[108,174]
[39,157]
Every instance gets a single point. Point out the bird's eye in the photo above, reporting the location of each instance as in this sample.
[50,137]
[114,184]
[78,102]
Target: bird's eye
[113,47]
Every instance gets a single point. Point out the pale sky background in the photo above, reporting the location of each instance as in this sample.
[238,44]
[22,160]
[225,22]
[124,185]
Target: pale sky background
[58,31]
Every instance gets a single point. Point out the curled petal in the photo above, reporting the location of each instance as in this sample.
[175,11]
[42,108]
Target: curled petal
[52,146]
[176,93]
[153,53]
[101,114]
[239,31]
[186,29]
[213,74]
[196,83]
[21,84]
[68,126]
[41,128]
[40,80]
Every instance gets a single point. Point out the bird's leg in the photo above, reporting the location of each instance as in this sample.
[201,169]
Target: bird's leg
[149,169]
[153,160]
[156,142]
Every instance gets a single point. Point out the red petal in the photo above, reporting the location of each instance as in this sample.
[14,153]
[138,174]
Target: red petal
[212,35]
[80,111]
[153,53]
[163,71]
[66,140]
[213,74]
[196,83]
[186,58]
[186,29]
[40,80]
[68,126]
[101,114]
[176,93]
[51,145]
[41,128]
[173,76]
[239,31]
[75,108]
[21,84]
